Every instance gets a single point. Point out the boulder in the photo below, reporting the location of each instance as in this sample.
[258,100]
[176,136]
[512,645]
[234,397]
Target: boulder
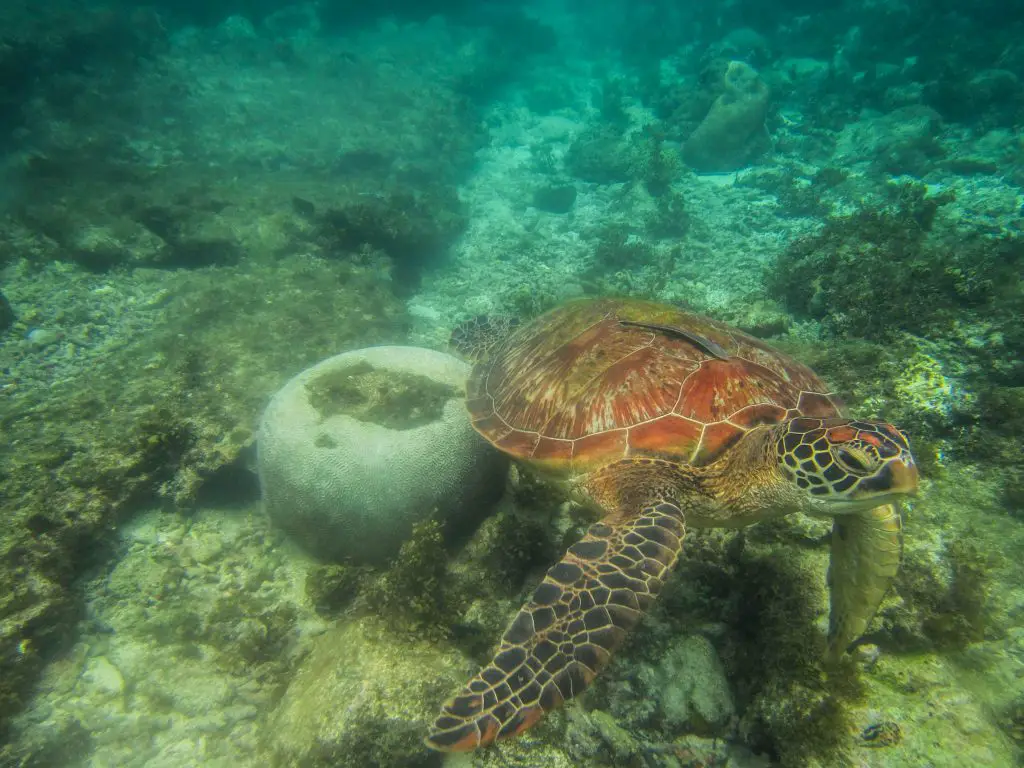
[733,131]
[362,697]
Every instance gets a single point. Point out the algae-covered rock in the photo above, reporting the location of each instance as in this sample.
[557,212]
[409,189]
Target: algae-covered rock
[414,596]
[331,587]
[902,141]
[733,130]
[361,698]
[555,198]
[691,687]
[601,155]
[933,708]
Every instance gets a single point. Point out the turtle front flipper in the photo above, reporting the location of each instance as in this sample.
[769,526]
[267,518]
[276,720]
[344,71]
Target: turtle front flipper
[565,635]
[866,551]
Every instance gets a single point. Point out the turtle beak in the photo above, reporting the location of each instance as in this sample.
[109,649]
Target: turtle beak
[904,476]
[897,478]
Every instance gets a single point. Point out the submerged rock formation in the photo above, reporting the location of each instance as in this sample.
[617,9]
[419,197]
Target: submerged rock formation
[733,131]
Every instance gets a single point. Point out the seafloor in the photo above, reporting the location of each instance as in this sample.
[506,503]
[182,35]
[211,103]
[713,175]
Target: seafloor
[195,208]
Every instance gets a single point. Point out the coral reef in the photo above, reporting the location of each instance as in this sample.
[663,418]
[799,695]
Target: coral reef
[928,287]
[7,317]
[43,48]
[198,201]
[904,141]
[107,438]
[690,688]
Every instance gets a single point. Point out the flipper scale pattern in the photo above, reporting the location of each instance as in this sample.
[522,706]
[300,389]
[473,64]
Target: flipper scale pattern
[564,636]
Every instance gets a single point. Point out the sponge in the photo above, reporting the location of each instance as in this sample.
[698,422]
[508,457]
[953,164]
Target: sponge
[357,449]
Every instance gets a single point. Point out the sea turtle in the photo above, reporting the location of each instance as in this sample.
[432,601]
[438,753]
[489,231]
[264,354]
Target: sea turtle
[660,420]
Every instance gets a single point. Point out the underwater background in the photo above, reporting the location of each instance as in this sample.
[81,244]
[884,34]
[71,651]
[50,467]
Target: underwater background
[198,201]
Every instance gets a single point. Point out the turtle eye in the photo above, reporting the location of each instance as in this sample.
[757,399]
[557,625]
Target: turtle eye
[852,461]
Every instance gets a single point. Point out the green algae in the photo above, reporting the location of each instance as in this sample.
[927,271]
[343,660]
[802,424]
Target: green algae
[954,612]
[521,545]
[888,253]
[657,166]
[790,706]
[330,588]
[412,596]
[412,226]
[1012,720]
[601,155]
[396,400]
[555,198]
[526,301]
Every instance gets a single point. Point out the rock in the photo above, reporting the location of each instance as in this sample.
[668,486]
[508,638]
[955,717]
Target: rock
[358,448]
[42,337]
[555,198]
[97,248]
[619,742]
[745,44]
[994,88]
[691,687]
[733,131]
[762,319]
[804,73]
[902,141]
[104,676]
[7,316]
[362,698]
[601,156]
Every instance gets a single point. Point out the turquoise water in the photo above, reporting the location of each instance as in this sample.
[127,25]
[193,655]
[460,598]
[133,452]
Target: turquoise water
[210,555]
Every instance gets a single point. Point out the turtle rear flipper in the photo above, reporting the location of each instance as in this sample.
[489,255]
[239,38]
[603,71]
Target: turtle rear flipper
[866,551]
[565,635]
[477,337]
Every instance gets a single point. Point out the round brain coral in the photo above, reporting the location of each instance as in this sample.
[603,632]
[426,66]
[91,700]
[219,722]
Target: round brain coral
[358,448]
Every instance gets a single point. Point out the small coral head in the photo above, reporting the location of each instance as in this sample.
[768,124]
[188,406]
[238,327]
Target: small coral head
[845,465]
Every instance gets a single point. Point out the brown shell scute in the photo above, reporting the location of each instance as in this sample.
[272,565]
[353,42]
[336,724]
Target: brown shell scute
[576,387]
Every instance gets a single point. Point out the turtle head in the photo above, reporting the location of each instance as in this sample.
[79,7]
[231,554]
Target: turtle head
[845,465]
